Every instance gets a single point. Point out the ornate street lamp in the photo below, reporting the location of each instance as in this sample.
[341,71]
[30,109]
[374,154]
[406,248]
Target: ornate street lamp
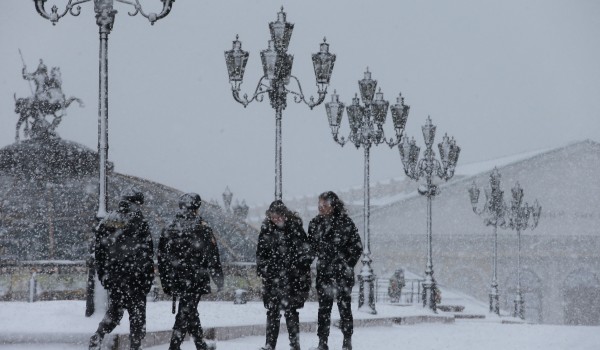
[428,167]
[493,213]
[105,17]
[516,217]
[366,130]
[277,69]
[519,215]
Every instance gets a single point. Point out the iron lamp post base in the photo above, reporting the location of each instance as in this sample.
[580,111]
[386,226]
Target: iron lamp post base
[519,307]
[495,300]
[366,282]
[430,296]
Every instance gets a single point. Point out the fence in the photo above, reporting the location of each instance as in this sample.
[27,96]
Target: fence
[411,292]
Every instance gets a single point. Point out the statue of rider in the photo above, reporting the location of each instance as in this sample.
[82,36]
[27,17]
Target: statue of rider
[40,78]
[48,99]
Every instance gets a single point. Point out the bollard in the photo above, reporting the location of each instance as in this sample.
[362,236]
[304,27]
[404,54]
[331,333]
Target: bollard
[32,288]
[240,296]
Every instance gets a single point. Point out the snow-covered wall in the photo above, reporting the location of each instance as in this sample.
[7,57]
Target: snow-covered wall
[560,258]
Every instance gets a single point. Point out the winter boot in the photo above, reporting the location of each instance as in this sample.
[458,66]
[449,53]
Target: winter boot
[295,342]
[95,341]
[202,345]
[347,344]
[267,347]
[176,340]
[135,345]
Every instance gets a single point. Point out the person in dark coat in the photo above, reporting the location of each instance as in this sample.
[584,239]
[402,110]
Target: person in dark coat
[283,259]
[336,243]
[188,256]
[124,252]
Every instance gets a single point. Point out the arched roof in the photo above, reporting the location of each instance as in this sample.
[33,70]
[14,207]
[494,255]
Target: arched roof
[48,202]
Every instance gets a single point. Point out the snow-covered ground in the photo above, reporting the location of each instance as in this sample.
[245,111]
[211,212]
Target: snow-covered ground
[42,325]
[463,335]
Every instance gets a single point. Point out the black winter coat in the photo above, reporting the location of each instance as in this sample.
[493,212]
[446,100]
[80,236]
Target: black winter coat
[188,256]
[124,253]
[283,259]
[336,243]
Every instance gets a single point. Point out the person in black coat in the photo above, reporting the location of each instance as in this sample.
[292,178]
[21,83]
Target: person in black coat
[283,259]
[336,243]
[188,256]
[123,253]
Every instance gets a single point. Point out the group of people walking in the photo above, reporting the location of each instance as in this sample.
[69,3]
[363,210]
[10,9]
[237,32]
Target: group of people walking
[188,257]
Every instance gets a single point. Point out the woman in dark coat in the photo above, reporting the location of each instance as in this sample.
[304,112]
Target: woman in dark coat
[336,243]
[283,259]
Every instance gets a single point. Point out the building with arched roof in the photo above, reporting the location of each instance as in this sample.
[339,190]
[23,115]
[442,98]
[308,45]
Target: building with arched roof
[560,259]
[48,203]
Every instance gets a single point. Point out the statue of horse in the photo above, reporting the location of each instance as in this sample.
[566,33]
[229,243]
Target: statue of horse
[48,99]
[34,111]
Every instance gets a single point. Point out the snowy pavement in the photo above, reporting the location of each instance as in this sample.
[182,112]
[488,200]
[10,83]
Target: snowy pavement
[463,335]
[61,325]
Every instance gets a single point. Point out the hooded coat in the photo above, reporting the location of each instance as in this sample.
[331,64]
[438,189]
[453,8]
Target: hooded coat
[188,256]
[124,253]
[337,246]
[283,259]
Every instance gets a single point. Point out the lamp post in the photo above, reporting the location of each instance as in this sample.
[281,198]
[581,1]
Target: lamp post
[277,68]
[428,167]
[105,17]
[493,212]
[366,130]
[519,215]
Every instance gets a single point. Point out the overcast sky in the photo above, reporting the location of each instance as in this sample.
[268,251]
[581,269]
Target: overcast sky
[502,77]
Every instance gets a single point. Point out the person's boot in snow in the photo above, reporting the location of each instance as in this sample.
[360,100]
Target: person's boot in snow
[202,345]
[347,344]
[294,342]
[267,347]
[176,340]
[322,345]
[95,341]
[135,343]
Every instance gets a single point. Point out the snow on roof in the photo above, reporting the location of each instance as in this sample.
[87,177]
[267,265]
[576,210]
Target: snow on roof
[475,168]
[467,170]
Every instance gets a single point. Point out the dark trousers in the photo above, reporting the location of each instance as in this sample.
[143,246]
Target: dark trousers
[135,306]
[292,320]
[187,321]
[326,298]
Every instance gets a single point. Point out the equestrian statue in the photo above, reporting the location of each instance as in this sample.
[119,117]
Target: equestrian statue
[47,100]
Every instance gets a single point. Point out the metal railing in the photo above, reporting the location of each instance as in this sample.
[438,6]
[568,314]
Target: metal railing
[411,293]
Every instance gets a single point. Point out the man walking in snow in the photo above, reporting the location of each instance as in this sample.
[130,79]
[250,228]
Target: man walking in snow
[188,256]
[335,241]
[123,252]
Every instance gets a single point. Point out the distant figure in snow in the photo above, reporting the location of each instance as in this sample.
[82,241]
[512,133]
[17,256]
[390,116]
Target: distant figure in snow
[123,253]
[283,259]
[395,287]
[336,243]
[188,256]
